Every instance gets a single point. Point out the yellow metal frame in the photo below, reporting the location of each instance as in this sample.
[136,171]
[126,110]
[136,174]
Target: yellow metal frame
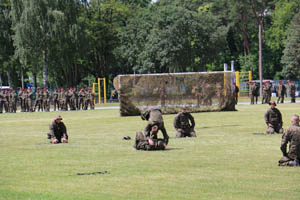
[242,76]
[99,90]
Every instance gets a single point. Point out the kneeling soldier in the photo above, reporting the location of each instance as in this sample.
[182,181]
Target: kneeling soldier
[182,124]
[273,119]
[291,136]
[58,131]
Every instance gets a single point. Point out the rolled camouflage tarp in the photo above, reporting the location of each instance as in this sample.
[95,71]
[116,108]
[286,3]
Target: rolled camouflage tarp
[201,91]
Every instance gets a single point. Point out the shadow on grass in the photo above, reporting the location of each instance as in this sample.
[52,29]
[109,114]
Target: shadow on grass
[258,133]
[172,149]
[233,125]
[59,144]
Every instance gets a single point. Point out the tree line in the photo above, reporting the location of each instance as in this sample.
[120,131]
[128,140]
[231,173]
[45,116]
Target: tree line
[54,43]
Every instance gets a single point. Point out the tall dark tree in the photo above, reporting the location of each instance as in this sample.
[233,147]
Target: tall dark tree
[6,43]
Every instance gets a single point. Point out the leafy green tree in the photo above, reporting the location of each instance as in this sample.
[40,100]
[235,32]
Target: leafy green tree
[281,19]
[68,44]
[8,63]
[32,25]
[48,34]
[171,38]
[291,57]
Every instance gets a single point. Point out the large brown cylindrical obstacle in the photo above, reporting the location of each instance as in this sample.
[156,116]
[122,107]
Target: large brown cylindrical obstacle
[201,91]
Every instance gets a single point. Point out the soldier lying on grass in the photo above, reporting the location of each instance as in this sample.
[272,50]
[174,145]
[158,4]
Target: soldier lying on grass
[150,143]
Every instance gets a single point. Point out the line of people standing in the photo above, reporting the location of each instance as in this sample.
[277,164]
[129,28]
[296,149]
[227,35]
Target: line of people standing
[281,91]
[40,99]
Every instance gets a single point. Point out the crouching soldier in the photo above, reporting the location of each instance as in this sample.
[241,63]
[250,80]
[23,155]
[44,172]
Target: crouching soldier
[273,119]
[154,117]
[291,136]
[58,131]
[184,123]
[150,143]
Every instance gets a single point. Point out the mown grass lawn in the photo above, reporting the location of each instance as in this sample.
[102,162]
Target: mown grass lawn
[225,161]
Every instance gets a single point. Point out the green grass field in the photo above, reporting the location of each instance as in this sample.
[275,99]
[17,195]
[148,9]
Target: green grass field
[226,160]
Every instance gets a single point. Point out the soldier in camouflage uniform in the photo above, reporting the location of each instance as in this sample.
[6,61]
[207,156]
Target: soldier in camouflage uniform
[68,94]
[291,136]
[22,103]
[266,93]
[55,99]
[154,117]
[236,92]
[269,92]
[39,100]
[273,119]
[58,131]
[62,98]
[24,98]
[2,100]
[28,100]
[67,99]
[81,94]
[184,123]
[281,92]
[256,92]
[12,101]
[292,91]
[148,144]
[76,98]
[5,101]
[90,99]
[251,92]
[72,99]
[46,100]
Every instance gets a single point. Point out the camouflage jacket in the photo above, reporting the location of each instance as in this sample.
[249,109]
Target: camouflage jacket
[55,95]
[58,130]
[273,116]
[2,96]
[281,90]
[291,136]
[153,115]
[12,96]
[292,89]
[182,120]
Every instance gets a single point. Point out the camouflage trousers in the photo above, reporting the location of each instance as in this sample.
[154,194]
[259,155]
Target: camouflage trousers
[187,132]
[49,136]
[272,130]
[285,161]
[142,143]
[56,104]
[293,98]
[280,99]
[39,104]
[5,105]
[252,99]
